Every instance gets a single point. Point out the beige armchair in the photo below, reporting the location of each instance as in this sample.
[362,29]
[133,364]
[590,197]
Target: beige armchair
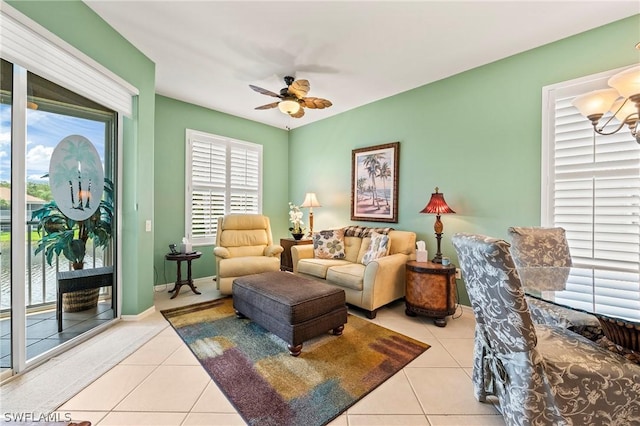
[244,246]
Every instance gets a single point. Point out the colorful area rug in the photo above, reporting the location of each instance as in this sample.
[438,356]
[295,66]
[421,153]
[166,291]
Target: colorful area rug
[270,387]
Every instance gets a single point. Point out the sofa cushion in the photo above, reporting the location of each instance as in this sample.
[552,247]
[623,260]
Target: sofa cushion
[403,242]
[348,276]
[378,247]
[318,267]
[352,247]
[329,244]
[363,249]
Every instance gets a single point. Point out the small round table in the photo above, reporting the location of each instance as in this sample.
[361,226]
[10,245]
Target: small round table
[430,290]
[179,258]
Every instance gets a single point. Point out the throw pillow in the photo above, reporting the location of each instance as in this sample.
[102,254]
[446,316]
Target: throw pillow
[329,244]
[364,231]
[379,247]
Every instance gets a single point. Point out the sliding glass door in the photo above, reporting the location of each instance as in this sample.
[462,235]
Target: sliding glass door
[58,152]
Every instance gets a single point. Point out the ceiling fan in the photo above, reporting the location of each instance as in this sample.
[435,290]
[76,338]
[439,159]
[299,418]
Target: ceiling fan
[293,98]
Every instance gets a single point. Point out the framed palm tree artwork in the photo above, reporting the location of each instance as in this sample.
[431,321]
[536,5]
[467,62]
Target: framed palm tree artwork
[374,183]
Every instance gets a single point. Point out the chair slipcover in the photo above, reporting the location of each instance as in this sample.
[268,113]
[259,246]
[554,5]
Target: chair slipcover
[244,246]
[538,246]
[541,375]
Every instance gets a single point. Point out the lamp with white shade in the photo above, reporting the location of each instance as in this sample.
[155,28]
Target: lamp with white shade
[310,201]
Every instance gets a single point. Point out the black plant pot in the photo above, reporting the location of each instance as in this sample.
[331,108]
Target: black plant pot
[297,236]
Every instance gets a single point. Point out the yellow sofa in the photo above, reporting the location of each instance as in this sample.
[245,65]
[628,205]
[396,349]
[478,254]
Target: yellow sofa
[244,246]
[368,287]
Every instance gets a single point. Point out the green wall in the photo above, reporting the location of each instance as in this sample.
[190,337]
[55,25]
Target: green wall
[79,26]
[475,135]
[172,119]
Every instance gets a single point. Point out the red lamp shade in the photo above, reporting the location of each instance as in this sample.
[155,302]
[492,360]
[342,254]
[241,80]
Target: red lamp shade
[437,204]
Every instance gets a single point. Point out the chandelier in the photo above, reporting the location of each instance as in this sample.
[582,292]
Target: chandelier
[622,100]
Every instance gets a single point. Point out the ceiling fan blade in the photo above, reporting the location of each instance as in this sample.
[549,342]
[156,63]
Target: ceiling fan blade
[265,91]
[299,88]
[268,106]
[298,114]
[315,103]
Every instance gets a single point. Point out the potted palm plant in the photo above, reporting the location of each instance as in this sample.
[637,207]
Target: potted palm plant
[61,235]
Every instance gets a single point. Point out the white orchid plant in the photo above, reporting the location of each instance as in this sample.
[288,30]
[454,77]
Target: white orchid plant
[295,217]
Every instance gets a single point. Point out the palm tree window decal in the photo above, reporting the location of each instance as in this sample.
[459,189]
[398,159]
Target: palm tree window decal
[81,193]
[81,209]
[75,164]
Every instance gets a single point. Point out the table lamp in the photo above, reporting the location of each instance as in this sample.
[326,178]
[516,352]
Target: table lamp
[311,201]
[437,205]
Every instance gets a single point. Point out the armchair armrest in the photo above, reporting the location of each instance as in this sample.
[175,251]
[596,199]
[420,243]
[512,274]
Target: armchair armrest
[384,280]
[221,252]
[273,250]
[300,252]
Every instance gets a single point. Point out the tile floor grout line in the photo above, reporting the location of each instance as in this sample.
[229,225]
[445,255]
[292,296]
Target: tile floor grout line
[415,394]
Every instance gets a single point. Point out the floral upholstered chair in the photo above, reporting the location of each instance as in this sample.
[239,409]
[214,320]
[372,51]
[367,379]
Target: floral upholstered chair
[538,246]
[541,375]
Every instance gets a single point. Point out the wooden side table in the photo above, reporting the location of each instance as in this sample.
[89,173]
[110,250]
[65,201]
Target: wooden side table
[286,263]
[431,290]
[179,258]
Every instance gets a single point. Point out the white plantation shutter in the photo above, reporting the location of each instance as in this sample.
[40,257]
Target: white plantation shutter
[591,188]
[223,176]
[245,180]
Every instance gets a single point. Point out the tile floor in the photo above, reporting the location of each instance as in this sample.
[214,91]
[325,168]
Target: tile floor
[162,383]
[42,329]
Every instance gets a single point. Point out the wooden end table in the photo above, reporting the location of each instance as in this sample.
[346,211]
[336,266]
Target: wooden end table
[286,262]
[179,258]
[430,291]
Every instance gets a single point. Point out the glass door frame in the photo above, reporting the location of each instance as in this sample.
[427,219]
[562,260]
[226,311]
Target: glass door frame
[18,219]
[18,307]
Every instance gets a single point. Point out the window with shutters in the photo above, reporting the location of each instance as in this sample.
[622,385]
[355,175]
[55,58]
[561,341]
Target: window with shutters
[223,176]
[591,187]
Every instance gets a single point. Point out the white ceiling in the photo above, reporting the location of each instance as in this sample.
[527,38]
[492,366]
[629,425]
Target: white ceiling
[352,52]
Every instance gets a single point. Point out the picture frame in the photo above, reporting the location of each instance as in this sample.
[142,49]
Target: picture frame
[374,183]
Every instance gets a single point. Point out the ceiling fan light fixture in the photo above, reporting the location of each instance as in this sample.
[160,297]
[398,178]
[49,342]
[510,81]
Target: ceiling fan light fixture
[293,98]
[289,106]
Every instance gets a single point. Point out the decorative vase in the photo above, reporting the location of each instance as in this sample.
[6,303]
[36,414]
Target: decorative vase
[297,236]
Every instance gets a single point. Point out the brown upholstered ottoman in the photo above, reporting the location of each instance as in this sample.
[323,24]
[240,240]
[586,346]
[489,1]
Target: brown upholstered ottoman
[291,307]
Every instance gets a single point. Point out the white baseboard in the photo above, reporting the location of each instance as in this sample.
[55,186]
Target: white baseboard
[139,316]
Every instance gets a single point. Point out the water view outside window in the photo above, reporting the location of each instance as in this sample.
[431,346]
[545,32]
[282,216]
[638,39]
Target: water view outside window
[44,131]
